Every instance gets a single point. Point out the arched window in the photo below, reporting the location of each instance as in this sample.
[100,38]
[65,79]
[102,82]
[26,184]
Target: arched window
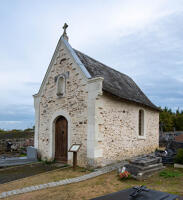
[61,86]
[141,123]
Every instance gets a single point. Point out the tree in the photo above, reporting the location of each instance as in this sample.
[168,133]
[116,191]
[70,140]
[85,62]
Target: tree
[170,120]
[179,120]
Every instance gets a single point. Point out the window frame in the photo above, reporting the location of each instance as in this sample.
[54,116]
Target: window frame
[58,90]
[141,124]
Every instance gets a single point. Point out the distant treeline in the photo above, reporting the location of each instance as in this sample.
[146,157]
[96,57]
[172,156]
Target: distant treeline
[17,130]
[16,133]
[170,121]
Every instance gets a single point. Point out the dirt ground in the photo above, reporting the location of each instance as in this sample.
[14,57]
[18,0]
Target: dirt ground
[102,185]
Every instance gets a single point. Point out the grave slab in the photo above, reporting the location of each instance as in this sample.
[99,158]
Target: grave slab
[144,166]
[144,195]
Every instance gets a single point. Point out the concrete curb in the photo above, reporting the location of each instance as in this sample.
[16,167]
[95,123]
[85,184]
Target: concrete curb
[16,166]
[99,172]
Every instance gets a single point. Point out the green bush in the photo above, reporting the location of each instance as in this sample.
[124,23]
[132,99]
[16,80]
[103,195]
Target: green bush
[48,162]
[170,173]
[179,156]
[22,155]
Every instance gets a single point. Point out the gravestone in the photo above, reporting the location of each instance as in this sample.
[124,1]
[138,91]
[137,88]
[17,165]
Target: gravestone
[144,166]
[167,156]
[31,153]
[138,193]
[12,161]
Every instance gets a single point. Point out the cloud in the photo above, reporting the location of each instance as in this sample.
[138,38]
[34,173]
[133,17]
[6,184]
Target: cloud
[9,125]
[10,122]
[137,37]
[16,112]
[16,116]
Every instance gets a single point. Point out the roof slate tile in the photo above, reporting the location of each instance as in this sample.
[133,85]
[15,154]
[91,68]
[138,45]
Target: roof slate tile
[115,83]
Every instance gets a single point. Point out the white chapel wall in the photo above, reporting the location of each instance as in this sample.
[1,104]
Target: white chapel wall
[117,135]
[74,103]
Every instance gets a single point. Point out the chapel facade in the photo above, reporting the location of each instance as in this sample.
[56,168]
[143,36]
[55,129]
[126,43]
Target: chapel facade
[82,101]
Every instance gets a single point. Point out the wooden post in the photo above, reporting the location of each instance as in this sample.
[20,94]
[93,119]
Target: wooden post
[74,160]
[74,148]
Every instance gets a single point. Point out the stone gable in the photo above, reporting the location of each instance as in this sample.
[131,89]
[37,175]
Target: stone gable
[74,103]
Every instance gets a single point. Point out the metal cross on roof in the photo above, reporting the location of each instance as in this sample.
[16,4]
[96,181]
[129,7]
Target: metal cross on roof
[65,27]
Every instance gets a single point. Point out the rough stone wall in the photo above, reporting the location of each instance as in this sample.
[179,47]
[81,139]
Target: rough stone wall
[74,103]
[106,124]
[117,124]
[19,142]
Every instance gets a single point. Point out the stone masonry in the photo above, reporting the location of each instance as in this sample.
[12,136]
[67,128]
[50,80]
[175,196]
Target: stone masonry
[74,103]
[106,126]
[117,123]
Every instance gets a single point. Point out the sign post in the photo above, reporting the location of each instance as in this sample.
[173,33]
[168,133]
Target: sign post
[74,160]
[74,148]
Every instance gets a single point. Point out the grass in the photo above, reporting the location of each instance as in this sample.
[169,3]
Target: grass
[170,173]
[41,178]
[98,186]
[48,162]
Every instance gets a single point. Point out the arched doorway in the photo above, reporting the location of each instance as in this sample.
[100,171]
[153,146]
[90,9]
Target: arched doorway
[61,139]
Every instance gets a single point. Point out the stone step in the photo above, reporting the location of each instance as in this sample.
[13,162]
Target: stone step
[144,174]
[137,168]
[144,161]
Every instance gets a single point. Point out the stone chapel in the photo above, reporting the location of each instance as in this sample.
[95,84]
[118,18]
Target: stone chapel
[85,102]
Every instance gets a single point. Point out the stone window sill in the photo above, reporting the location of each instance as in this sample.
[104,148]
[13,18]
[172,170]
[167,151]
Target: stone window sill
[141,137]
[60,96]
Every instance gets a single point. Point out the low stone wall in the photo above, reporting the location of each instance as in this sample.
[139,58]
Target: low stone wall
[20,140]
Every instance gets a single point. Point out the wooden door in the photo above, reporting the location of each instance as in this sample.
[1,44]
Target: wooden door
[61,139]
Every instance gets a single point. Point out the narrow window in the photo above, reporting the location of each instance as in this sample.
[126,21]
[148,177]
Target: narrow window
[61,86]
[141,123]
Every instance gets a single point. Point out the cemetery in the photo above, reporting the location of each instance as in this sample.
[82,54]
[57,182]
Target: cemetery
[138,178]
[99,130]
[92,188]
[75,151]
[159,174]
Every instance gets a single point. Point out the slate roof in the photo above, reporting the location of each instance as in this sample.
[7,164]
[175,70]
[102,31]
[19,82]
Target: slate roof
[115,83]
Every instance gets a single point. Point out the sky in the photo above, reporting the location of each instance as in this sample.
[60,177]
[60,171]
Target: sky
[141,38]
